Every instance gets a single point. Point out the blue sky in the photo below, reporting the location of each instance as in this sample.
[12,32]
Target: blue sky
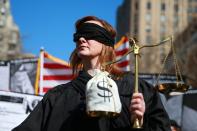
[50,23]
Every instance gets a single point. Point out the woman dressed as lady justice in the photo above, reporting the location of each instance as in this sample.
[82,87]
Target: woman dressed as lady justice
[64,108]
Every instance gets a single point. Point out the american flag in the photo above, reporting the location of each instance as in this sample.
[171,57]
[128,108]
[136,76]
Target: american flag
[121,48]
[51,72]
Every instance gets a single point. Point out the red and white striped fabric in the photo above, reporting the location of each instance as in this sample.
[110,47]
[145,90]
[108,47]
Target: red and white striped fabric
[53,72]
[122,48]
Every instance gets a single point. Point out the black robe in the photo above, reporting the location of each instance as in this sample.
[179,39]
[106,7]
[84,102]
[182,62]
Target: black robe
[63,109]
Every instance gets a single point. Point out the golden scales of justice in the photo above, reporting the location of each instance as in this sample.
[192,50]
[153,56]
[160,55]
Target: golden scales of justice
[179,86]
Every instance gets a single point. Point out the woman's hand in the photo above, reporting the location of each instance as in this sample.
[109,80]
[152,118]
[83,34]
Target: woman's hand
[137,107]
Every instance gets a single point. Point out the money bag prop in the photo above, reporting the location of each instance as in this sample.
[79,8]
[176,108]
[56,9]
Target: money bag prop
[102,97]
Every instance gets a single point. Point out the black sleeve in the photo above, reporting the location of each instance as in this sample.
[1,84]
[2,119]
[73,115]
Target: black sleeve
[155,117]
[37,118]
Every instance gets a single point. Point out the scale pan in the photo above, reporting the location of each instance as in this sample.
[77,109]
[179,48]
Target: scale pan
[172,87]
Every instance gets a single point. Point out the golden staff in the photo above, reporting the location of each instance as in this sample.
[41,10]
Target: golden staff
[136,48]
[136,54]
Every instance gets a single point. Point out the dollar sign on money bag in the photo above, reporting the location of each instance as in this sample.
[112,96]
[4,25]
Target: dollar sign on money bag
[104,85]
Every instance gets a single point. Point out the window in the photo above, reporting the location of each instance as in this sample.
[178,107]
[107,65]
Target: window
[136,18]
[176,19]
[12,47]
[2,22]
[176,8]
[163,18]
[3,10]
[148,28]
[163,6]
[136,5]
[148,17]
[1,36]
[135,29]
[190,10]
[148,6]
[13,38]
[148,39]
[190,18]
[162,29]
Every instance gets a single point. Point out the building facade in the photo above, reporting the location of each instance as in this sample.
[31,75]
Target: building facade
[151,22]
[10,44]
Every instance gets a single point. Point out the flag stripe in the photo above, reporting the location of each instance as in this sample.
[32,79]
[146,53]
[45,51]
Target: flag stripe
[126,40]
[58,77]
[123,64]
[55,66]
[57,71]
[121,52]
[45,89]
[53,83]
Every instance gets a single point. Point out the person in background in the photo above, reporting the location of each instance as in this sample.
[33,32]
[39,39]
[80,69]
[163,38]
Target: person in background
[63,108]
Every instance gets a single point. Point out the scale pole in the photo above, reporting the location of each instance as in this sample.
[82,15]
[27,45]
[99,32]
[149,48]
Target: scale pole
[136,49]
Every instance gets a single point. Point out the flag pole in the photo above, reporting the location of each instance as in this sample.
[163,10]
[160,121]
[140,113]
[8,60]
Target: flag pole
[37,77]
[41,70]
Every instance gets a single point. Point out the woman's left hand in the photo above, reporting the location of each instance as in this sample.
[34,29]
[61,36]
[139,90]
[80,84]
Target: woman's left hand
[137,107]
